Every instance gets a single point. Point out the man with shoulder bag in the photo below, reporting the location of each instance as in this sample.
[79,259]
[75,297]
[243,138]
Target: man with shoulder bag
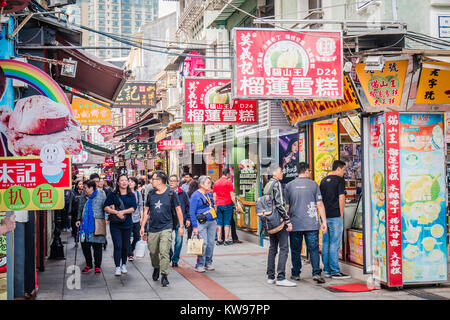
[277,223]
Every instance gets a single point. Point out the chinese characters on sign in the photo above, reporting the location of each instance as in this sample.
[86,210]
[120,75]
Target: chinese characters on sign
[174,144]
[383,88]
[106,130]
[278,64]
[393,204]
[90,113]
[298,111]
[205,105]
[136,95]
[433,84]
[138,147]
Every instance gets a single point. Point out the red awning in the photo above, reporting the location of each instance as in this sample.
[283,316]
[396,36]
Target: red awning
[94,77]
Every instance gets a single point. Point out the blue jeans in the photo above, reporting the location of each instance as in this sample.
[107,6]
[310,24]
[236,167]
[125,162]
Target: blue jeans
[224,215]
[312,244]
[207,232]
[178,244]
[331,244]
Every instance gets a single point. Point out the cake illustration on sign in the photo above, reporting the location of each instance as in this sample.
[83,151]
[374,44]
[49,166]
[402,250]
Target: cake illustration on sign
[37,121]
[52,157]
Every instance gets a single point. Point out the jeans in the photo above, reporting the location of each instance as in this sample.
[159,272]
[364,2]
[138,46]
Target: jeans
[331,245]
[136,237]
[159,244]
[207,232]
[312,244]
[224,215]
[234,235]
[86,247]
[178,244]
[121,240]
[278,239]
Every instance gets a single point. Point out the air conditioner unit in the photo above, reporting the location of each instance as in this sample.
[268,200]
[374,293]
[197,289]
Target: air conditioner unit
[374,63]
[59,3]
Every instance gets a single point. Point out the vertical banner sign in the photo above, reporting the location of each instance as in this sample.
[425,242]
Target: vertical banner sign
[3,282]
[301,147]
[325,147]
[130,116]
[433,85]
[423,195]
[393,205]
[383,88]
[276,64]
[204,105]
[377,196]
[288,149]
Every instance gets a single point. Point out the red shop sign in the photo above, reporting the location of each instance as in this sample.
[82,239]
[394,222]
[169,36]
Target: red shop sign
[30,172]
[106,130]
[277,64]
[393,204]
[205,105]
[174,144]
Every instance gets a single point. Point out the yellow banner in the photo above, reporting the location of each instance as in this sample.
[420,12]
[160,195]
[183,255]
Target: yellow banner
[299,111]
[434,83]
[325,147]
[89,113]
[43,197]
[383,88]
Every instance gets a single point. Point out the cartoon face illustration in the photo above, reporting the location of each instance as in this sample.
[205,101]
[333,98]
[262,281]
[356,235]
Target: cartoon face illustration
[52,153]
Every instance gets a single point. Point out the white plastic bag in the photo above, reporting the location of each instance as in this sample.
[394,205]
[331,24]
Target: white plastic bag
[141,248]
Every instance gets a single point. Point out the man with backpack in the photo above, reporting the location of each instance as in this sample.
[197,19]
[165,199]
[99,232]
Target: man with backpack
[274,190]
[162,204]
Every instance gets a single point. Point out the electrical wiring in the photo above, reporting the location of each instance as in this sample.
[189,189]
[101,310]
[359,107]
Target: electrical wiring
[425,43]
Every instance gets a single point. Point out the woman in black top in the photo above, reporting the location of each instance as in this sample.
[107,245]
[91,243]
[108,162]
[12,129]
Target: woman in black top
[120,205]
[77,192]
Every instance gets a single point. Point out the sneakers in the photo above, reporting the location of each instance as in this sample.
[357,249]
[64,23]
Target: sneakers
[86,269]
[319,279]
[271,281]
[340,275]
[155,275]
[228,243]
[296,278]
[131,258]
[285,283]
[124,269]
[98,270]
[118,272]
[200,269]
[164,280]
[209,268]
[219,243]
[327,275]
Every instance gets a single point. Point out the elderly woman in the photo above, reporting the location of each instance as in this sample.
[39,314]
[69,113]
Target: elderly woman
[91,208]
[204,222]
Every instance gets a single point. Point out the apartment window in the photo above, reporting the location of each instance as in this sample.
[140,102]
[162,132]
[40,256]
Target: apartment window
[115,8]
[126,23]
[101,15]
[101,53]
[148,17]
[115,30]
[116,53]
[126,8]
[126,16]
[138,16]
[126,1]
[115,16]
[101,7]
[101,22]
[138,9]
[126,30]
[115,23]
[138,24]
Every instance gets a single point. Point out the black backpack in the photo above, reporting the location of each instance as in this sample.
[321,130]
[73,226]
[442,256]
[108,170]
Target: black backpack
[172,205]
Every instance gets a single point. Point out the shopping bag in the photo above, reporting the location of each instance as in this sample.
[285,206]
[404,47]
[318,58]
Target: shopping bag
[195,246]
[141,248]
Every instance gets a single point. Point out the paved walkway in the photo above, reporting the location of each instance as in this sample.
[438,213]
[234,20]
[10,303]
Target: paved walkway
[239,275]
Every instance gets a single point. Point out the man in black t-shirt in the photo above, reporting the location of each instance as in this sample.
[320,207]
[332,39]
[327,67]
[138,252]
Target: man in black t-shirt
[332,188]
[162,203]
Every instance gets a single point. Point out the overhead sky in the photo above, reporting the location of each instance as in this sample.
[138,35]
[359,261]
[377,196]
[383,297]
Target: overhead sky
[166,7]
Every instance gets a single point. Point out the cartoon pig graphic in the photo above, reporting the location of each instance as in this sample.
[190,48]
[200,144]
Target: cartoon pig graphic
[52,157]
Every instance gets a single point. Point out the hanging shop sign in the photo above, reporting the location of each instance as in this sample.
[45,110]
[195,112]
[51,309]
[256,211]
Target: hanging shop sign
[106,130]
[136,95]
[138,147]
[298,111]
[423,197]
[80,158]
[90,113]
[130,117]
[356,121]
[40,119]
[288,148]
[192,133]
[169,145]
[204,105]
[383,88]
[301,147]
[277,64]
[348,126]
[325,147]
[109,162]
[433,84]
[161,135]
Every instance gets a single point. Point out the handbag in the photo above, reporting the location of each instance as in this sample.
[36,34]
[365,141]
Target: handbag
[100,227]
[195,246]
[113,218]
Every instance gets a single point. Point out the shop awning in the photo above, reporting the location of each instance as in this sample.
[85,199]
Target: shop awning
[96,147]
[94,77]
[146,121]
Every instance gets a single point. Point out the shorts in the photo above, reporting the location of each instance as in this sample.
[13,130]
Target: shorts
[224,215]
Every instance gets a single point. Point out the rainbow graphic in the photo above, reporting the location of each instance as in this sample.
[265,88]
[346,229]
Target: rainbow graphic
[36,78]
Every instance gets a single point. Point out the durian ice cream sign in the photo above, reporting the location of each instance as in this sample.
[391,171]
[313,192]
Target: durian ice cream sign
[278,64]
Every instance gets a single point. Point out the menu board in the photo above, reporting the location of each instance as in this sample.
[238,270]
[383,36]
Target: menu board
[423,193]
[325,147]
[354,135]
[377,196]
[301,147]
[355,246]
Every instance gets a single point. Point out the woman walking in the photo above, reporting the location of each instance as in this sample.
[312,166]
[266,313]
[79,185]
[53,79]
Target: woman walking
[136,216]
[77,193]
[91,208]
[120,206]
[204,222]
